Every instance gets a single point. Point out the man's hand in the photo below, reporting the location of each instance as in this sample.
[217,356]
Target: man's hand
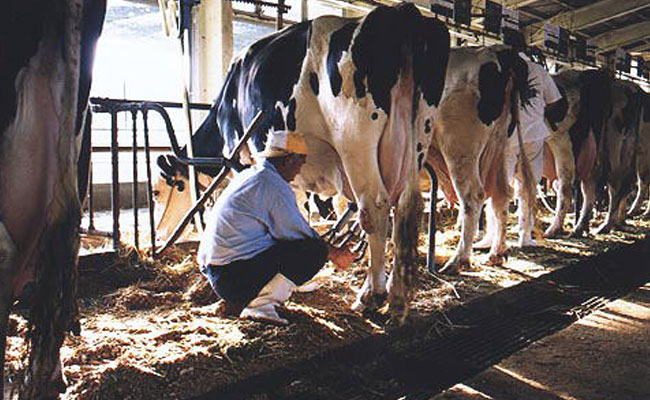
[342,257]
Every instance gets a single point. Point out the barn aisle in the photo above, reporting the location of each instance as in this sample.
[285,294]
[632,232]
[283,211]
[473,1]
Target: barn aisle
[604,356]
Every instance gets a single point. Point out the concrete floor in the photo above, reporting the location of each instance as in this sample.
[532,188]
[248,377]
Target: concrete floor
[605,356]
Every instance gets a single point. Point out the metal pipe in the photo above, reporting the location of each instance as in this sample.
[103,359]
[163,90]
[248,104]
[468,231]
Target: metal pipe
[96,232]
[433,194]
[115,182]
[99,101]
[330,235]
[280,20]
[350,235]
[124,149]
[110,106]
[362,247]
[147,154]
[134,190]
[196,161]
[91,202]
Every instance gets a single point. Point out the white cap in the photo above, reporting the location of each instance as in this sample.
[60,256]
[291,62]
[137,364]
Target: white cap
[282,143]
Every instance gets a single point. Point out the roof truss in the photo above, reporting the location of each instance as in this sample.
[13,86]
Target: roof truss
[620,37]
[597,13]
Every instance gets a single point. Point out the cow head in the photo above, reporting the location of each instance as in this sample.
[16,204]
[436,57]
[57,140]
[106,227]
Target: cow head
[259,80]
[171,196]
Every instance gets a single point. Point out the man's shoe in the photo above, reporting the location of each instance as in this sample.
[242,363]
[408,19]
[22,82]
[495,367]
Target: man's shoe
[264,313]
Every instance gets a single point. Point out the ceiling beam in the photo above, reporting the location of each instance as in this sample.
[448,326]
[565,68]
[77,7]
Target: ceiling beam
[596,13]
[518,3]
[640,48]
[620,37]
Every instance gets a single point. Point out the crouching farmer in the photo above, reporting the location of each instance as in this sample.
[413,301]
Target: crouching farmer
[257,247]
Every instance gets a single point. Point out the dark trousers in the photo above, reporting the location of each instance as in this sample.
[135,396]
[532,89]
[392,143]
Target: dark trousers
[241,281]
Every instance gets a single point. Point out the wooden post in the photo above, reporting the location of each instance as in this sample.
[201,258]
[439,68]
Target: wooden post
[280,20]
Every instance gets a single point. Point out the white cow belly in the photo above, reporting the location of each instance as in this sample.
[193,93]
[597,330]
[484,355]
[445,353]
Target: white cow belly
[29,159]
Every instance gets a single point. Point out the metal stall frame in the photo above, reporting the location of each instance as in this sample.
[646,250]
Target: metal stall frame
[114,106]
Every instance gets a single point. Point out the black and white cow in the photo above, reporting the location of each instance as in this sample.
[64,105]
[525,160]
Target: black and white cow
[619,148]
[571,150]
[643,161]
[45,74]
[364,93]
[483,87]
[596,144]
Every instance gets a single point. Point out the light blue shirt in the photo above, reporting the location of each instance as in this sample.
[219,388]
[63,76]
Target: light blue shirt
[257,208]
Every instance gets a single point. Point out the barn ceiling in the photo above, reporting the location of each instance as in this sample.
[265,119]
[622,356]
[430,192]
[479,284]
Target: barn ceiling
[609,23]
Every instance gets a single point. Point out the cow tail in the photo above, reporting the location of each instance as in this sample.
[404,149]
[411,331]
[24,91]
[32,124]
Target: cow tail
[530,186]
[407,212]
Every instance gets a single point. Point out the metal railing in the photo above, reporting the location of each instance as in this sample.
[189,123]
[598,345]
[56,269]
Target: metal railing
[115,106]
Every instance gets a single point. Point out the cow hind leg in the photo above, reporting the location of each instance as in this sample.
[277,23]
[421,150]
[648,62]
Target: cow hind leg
[54,310]
[615,211]
[565,167]
[405,236]
[498,249]
[526,220]
[646,214]
[373,292]
[5,305]
[641,196]
[7,256]
[589,199]
[491,224]
[471,197]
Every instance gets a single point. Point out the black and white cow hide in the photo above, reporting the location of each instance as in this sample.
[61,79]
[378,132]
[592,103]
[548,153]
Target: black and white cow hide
[45,74]
[364,93]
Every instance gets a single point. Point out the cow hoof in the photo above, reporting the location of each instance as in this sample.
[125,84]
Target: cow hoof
[60,386]
[455,267]
[552,233]
[398,308]
[57,383]
[369,302]
[578,233]
[497,259]
[634,213]
[522,244]
[604,229]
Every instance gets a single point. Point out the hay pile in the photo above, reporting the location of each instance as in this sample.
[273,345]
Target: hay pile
[154,329]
